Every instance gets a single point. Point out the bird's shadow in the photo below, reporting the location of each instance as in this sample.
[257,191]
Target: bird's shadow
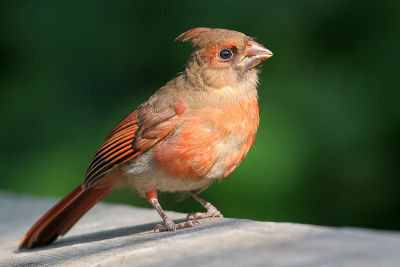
[113,233]
[103,235]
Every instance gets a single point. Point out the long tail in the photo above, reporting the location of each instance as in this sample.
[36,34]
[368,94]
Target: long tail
[59,219]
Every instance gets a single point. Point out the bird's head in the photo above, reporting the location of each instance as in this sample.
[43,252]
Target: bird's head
[223,56]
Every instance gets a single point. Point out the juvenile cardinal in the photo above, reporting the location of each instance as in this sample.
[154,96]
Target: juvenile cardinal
[194,130]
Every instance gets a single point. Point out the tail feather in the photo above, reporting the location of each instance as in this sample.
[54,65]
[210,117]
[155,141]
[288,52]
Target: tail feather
[59,219]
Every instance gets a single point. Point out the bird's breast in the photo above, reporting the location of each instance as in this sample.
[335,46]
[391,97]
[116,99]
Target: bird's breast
[211,142]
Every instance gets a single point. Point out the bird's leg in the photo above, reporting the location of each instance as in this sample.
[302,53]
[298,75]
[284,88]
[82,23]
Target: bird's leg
[169,224]
[211,210]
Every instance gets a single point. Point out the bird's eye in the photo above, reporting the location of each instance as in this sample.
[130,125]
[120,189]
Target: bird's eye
[225,54]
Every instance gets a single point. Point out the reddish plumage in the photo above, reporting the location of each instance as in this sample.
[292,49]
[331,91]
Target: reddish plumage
[189,155]
[59,219]
[192,131]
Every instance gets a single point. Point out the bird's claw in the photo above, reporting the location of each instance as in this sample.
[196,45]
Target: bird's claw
[171,226]
[211,213]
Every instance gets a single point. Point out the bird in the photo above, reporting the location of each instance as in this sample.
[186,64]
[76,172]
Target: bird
[193,131]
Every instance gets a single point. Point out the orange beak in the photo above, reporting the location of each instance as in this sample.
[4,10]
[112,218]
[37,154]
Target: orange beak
[254,54]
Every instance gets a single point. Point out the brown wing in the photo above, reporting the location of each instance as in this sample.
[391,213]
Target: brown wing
[116,149]
[128,139]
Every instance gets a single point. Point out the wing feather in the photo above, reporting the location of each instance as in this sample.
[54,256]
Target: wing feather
[127,140]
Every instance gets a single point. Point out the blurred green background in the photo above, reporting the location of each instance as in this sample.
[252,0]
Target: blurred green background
[327,151]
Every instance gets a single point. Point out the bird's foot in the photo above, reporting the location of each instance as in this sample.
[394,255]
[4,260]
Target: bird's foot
[212,212]
[169,225]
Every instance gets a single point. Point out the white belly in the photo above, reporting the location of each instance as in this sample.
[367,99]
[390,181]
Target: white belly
[142,174]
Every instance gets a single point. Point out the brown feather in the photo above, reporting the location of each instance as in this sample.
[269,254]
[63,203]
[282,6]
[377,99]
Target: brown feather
[206,37]
[135,134]
[116,149]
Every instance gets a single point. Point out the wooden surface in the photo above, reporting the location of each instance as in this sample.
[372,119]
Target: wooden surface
[112,235]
